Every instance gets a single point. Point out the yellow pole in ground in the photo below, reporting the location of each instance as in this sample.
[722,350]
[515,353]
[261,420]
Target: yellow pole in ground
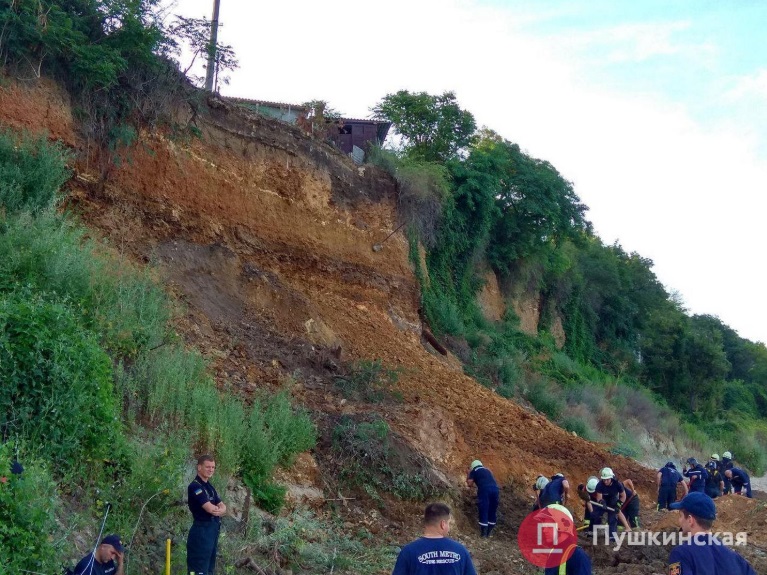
[167,557]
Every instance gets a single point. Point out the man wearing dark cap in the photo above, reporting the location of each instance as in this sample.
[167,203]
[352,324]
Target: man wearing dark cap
[207,510]
[702,554]
[102,560]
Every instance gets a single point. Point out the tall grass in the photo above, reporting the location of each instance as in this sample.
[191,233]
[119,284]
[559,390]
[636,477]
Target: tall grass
[31,172]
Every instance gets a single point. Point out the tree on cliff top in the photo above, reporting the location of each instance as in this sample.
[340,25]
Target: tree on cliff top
[434,128]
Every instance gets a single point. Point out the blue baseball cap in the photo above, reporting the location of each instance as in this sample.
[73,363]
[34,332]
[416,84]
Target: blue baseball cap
[114,541]
[697,504]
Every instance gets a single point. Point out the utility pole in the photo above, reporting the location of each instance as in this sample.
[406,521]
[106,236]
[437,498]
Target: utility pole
[211,71]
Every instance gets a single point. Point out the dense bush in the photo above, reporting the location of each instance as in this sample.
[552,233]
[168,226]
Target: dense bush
[56,387]
[31,172]
[370,458]
[28,507]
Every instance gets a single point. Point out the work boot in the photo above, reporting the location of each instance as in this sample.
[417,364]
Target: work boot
[484,530]
[490,529]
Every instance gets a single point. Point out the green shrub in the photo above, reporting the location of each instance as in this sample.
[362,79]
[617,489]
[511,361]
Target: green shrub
[31,172]
[57,390]
[369,458]
[544,397]
[51,254]
[369,381]
[28,528]
[275,433]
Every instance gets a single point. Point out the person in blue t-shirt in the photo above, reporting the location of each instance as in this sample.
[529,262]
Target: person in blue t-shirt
[739,480]
[434,553]
[610,491]
[697,475]
[668,478]
[488,496]
[556,491]
[703,554]
[106,560]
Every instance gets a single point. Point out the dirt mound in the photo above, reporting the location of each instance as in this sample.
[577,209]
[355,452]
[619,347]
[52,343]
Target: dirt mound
[266,236]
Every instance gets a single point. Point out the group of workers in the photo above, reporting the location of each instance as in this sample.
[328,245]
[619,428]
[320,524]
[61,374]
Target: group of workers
[435,554]
[719,476]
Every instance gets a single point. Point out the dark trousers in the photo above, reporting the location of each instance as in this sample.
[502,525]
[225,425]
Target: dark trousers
[631,512]
[666,496]
[201,546]
[487,505]
[745,487]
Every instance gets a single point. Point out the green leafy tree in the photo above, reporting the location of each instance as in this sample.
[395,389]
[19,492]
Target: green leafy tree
[433,128]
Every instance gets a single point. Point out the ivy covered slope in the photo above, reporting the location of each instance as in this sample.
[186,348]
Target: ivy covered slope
[631,352]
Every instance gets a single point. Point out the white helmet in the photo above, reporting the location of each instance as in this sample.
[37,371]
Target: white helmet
[715,457]
[541,482]
[561,509]
[607,473]
[591,484]
[727,455]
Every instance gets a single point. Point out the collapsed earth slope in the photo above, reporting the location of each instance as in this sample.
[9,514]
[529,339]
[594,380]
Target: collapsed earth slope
[265,234]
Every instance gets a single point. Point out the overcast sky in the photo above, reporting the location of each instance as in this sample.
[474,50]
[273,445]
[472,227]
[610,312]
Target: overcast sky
[655,110]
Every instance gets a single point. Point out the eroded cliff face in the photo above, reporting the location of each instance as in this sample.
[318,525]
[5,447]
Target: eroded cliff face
[266,236]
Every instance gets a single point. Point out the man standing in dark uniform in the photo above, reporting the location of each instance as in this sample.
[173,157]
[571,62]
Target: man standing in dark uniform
[610,491]
[207,509]
[488,496]
[668,478]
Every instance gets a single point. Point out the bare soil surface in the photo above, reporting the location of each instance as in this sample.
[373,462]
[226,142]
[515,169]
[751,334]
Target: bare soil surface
[265,236]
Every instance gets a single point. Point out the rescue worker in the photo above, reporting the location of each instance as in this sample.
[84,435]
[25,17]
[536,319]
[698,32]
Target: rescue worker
[579,563]
[724,465]
[714,483]
[592,509]
[697,475]
[207,510]
[630,508]
[668,478]
[102,561]
[610,491]
[701,553]
[739,480]
[556,491]
[434,552]
[540,483]
[488,496]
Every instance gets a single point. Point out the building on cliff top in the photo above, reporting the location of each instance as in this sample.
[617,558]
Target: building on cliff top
[352,136]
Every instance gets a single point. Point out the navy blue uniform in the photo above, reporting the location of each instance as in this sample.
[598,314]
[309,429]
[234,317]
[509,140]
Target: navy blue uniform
[610,497]
[697,476]
[202,543]
[713,487]
[710,557]
[578,564]
[553,492]
[434,556]
[89,566]
[723,466]
[595,516]
[631,508]
[740,481]
[488,496]
[669,478]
